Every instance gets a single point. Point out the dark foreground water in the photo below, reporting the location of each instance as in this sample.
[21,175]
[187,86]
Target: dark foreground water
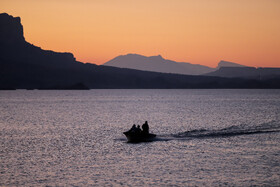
[205,138]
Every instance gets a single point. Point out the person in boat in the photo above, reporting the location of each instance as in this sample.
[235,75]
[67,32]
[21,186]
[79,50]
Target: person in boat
[133,128]
[145,128]
[138,129]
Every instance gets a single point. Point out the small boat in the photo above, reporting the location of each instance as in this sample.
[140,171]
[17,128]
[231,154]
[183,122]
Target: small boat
[136,137]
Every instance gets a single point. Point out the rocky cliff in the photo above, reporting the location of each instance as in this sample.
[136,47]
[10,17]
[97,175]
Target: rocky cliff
[13,46]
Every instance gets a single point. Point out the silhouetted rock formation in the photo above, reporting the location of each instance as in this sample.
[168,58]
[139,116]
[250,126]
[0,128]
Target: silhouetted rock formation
[157,64]
[14,47]
[25,66]
[11,30]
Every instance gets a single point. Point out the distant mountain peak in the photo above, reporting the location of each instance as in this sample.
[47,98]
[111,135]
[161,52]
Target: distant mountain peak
[137,55]
[157,64]
[158,56]
[131,54]
[223,63]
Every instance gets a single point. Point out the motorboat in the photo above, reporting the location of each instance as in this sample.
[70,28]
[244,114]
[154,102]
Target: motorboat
[136,137]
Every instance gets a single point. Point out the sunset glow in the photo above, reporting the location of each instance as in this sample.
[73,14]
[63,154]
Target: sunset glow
[196,31]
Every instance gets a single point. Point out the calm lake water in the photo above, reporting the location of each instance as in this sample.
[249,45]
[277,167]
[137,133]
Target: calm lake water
[205,138]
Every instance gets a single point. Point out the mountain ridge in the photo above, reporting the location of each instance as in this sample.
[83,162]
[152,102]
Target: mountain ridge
[26,66]
[157,64]
[224,63]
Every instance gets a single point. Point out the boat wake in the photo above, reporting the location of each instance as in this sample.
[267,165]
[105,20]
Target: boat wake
[235,130]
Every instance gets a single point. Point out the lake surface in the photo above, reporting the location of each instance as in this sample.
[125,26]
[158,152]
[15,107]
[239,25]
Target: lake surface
[205,138]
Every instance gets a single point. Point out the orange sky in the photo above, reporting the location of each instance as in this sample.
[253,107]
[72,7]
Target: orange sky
[196,31]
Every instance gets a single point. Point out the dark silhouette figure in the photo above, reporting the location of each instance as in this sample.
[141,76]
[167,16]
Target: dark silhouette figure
[145,128]
[133,128]
[138,129]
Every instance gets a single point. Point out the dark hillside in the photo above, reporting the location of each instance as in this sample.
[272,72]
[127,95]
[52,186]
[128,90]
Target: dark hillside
[25,66]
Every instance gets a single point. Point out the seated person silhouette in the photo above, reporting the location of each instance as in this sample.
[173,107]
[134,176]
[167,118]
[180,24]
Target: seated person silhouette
[133,128]
[138,129]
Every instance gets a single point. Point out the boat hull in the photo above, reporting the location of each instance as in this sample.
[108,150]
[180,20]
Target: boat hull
[139,137]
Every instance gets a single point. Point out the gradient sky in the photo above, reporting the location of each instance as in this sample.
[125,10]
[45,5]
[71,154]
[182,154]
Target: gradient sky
[196,31]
